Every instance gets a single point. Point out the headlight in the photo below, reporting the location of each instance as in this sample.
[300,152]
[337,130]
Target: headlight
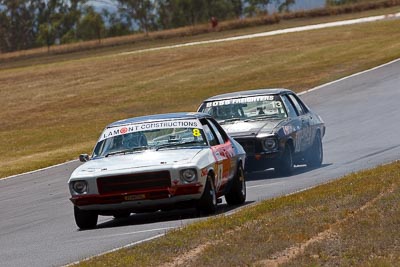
[189,175]
[270,143]
[80,187]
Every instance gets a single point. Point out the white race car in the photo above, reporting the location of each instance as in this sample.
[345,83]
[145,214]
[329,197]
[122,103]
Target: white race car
[158,162]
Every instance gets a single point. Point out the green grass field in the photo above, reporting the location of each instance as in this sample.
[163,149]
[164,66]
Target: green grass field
[54,108]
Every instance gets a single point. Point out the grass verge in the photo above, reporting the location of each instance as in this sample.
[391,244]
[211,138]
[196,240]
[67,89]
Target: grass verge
[352,221]
[53,110]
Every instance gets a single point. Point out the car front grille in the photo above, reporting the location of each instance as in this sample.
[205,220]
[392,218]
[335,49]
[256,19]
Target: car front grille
[131,183]
[248,145]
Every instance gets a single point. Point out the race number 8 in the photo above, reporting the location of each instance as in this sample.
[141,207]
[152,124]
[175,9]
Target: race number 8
[196,132]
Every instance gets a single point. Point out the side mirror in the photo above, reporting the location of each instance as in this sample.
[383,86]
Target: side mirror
[84,157]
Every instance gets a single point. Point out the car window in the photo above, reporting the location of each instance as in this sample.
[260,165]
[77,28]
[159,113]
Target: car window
[289,107]
[297,105]
[212,139]
[155,135]
[216,131]
[303,105]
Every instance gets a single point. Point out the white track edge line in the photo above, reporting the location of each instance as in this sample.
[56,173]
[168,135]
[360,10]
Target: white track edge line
[38,170]
[349,76]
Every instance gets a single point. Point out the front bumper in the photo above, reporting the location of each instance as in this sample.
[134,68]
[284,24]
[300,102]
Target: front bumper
[155,198]
[257,158]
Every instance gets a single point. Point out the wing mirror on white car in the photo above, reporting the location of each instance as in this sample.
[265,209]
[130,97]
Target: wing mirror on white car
[84,157]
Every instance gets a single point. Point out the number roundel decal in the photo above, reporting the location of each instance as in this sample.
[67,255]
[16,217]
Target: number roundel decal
[196,132]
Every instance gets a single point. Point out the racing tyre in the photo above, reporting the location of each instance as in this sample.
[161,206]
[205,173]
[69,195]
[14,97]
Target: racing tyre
[85,219]
[237,192]
[285,166]
[315,154]
[208,202]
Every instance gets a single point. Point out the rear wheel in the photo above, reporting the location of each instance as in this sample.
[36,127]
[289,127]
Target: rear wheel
[237,192]
[315,154]
[85,219]
[285,165]
[208,202]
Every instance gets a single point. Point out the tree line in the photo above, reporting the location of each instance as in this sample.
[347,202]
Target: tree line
[26,24]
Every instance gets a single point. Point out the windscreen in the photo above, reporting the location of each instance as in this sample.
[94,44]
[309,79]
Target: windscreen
[152,135]
[245,108]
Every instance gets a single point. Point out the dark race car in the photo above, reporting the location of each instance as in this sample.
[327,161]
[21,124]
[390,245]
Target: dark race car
[276,129]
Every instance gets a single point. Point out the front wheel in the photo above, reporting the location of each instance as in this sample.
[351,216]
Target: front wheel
[85,219]
[208,202]
[285,165]
[237,192]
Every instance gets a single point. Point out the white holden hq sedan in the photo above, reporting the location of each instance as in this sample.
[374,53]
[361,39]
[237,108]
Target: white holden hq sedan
[158,162]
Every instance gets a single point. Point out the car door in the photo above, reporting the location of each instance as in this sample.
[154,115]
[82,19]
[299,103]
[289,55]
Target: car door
[223,153]
[295,125]
[304,114]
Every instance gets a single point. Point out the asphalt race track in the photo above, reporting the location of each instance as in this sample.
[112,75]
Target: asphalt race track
[37,225]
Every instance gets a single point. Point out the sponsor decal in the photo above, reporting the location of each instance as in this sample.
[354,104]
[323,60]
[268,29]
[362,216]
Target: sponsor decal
[148,126]
[124,130]
[196,132]
[242,100]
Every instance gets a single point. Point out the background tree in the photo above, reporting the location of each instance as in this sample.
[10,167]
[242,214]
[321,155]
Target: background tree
[17,19]
[46,35]
[116,26]
[71,11]
[90,26]
[180,13]
[285,6]
[47,23]
[221,9]
[141,12]
[256,7]
[4,27]
[165,10]
[31,23]
[237,6]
